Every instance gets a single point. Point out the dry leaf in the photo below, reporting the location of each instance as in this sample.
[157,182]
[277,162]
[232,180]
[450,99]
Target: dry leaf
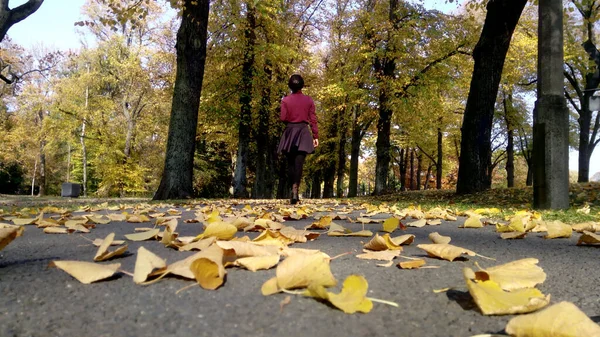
[270,238]
[558,229]
[492,300]
[103,254]
[589,226]
[255,263]
[7,235]
[219,229]
[435,237]
[513,235]
[143,236]
[98,242]
[145,263]
[414,264]
[518,274]
[472,222]
[57,230]
[208,267]
[87,272]
[435,222]
[322,223]
[247,249]
[382,243]
[384,255]
[298,235]
[390,224]
[353,296]
[385,265]
[589,238]
[299,271]
[404,240]
[198,245]
[419,223]
[563,319]
[445,251]
[117,217]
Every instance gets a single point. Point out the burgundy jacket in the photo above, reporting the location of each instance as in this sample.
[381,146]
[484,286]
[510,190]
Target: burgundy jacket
[298,108]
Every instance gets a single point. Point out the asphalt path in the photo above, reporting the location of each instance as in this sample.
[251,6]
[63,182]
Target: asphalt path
[40,301]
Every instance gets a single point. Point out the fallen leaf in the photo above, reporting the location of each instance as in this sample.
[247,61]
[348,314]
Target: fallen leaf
[87,272]
[419,223]
[247,249]
[198,245]
[322,223]
[435,222]
[472,222]
[98,242]
[103,254]
[145,263]
[117,217]
[287,300]
[492,300]
[352,298]
[403,240]
[415,264]
[383,255]
[385,265]
[219,229]
[254,263]
[589,226]
[435,237]
[57,230]
[7,235]
[513,235]
[390,224]
[299,271]
[563,319]
[382,243]
[445,251]
[143,236]
[208,267]
[558,229]
[298,235]
[517,274]
[589,238]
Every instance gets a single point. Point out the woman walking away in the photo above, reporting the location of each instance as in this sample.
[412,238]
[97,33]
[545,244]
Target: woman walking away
[298,112]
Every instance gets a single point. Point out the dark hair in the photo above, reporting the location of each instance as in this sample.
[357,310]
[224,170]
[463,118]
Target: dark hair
[296,83]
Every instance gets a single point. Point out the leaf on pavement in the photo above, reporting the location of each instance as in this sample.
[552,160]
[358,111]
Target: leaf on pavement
[589,238]
[558,229]
[208,268]
[219,229]
[103,254]
[87,272]
[198,245]
[403,240]
[271,238]
[517,274]
[351,299]
[383,255]
[414,264]
[299,271]
[254,263]
[98,219]
[513,235]
[435,237]
[322,223]
[143,236]
[145,263]
[492,300]
[563,319]
[589,226]
[390,224]
[472,222]
[117,217]
[382,243]
[298,235]
[445,251]
[7,235]
[248,249]
[419,223]
[57,230]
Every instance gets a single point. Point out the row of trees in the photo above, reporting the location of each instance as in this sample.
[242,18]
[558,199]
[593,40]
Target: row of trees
[391,80]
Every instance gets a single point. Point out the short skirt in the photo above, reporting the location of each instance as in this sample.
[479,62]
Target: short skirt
[296,137]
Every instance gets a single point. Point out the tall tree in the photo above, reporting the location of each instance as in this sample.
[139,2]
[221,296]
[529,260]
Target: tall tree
[489,55]
[9,17]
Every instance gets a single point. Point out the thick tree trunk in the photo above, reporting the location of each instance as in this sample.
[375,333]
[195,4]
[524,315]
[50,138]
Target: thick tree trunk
[42,180]
[8,17]
[241,165]
[411,183]
[315,191]
[403,167]
[529,179]
[510,160]
[426,185]
[354,156]
[382,144]
[263,183]
[341,160]
[177,178]
[439,163]
[489,55]
[584,121]
[419,169]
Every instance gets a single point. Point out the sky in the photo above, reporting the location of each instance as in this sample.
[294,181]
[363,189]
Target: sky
[52,26]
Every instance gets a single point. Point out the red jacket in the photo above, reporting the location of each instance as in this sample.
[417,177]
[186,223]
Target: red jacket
[298,108]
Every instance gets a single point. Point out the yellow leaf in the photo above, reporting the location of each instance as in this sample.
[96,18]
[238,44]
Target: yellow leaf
[563,319]
[492,300]
[589,226]
[262,224]
[145,263]
[472,222]
[435,222]
[299,271]
[7,235]
[254,263]
[384,255]
[405,239]
[518,274]
[382,243]
[208,268]
[57,230]
[298,235]
[142,236]
[352,298]
[269,237]
[363,233]
[198,245]
[287,252]
[445,251]
[414,264]
[103,254]
[87,272]
[137,218]
[221,230]
[513,235]
[322,223]
[419,223]
[23,222]
[589,238]
[390,225]
[247,249]
[557,229]
[435,237]
[98,219]
[117,217]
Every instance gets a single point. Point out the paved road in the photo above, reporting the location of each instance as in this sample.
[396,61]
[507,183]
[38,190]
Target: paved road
[40,301]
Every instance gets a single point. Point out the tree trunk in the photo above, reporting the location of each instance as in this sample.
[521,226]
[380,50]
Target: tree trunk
[419,169]
[354,156]
[529,179]
[439,162]
[42,180]
[83,159]
[283,188]
[315,191]
[411,183]
[382,144]
[426,185]
[177,178]
[510,148]
[241,165]
[8,17]
[263,183]
[403,167]
[489,55]
[341,162]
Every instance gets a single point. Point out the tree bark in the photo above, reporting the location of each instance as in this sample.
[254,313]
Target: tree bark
[341,160]
[177,178]
[439,162]
[240,179]
[354,155]
[263,183]
[42,180]
[510,148]
[403,167]
[411,184]
[315,191]
[489,55]
[382,144]
[9,17]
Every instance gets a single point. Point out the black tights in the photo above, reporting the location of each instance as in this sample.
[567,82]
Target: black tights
[295,161]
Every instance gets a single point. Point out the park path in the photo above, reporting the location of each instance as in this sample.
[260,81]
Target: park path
[40,301]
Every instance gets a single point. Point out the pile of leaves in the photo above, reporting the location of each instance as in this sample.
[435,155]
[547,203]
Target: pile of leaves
[499,290]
